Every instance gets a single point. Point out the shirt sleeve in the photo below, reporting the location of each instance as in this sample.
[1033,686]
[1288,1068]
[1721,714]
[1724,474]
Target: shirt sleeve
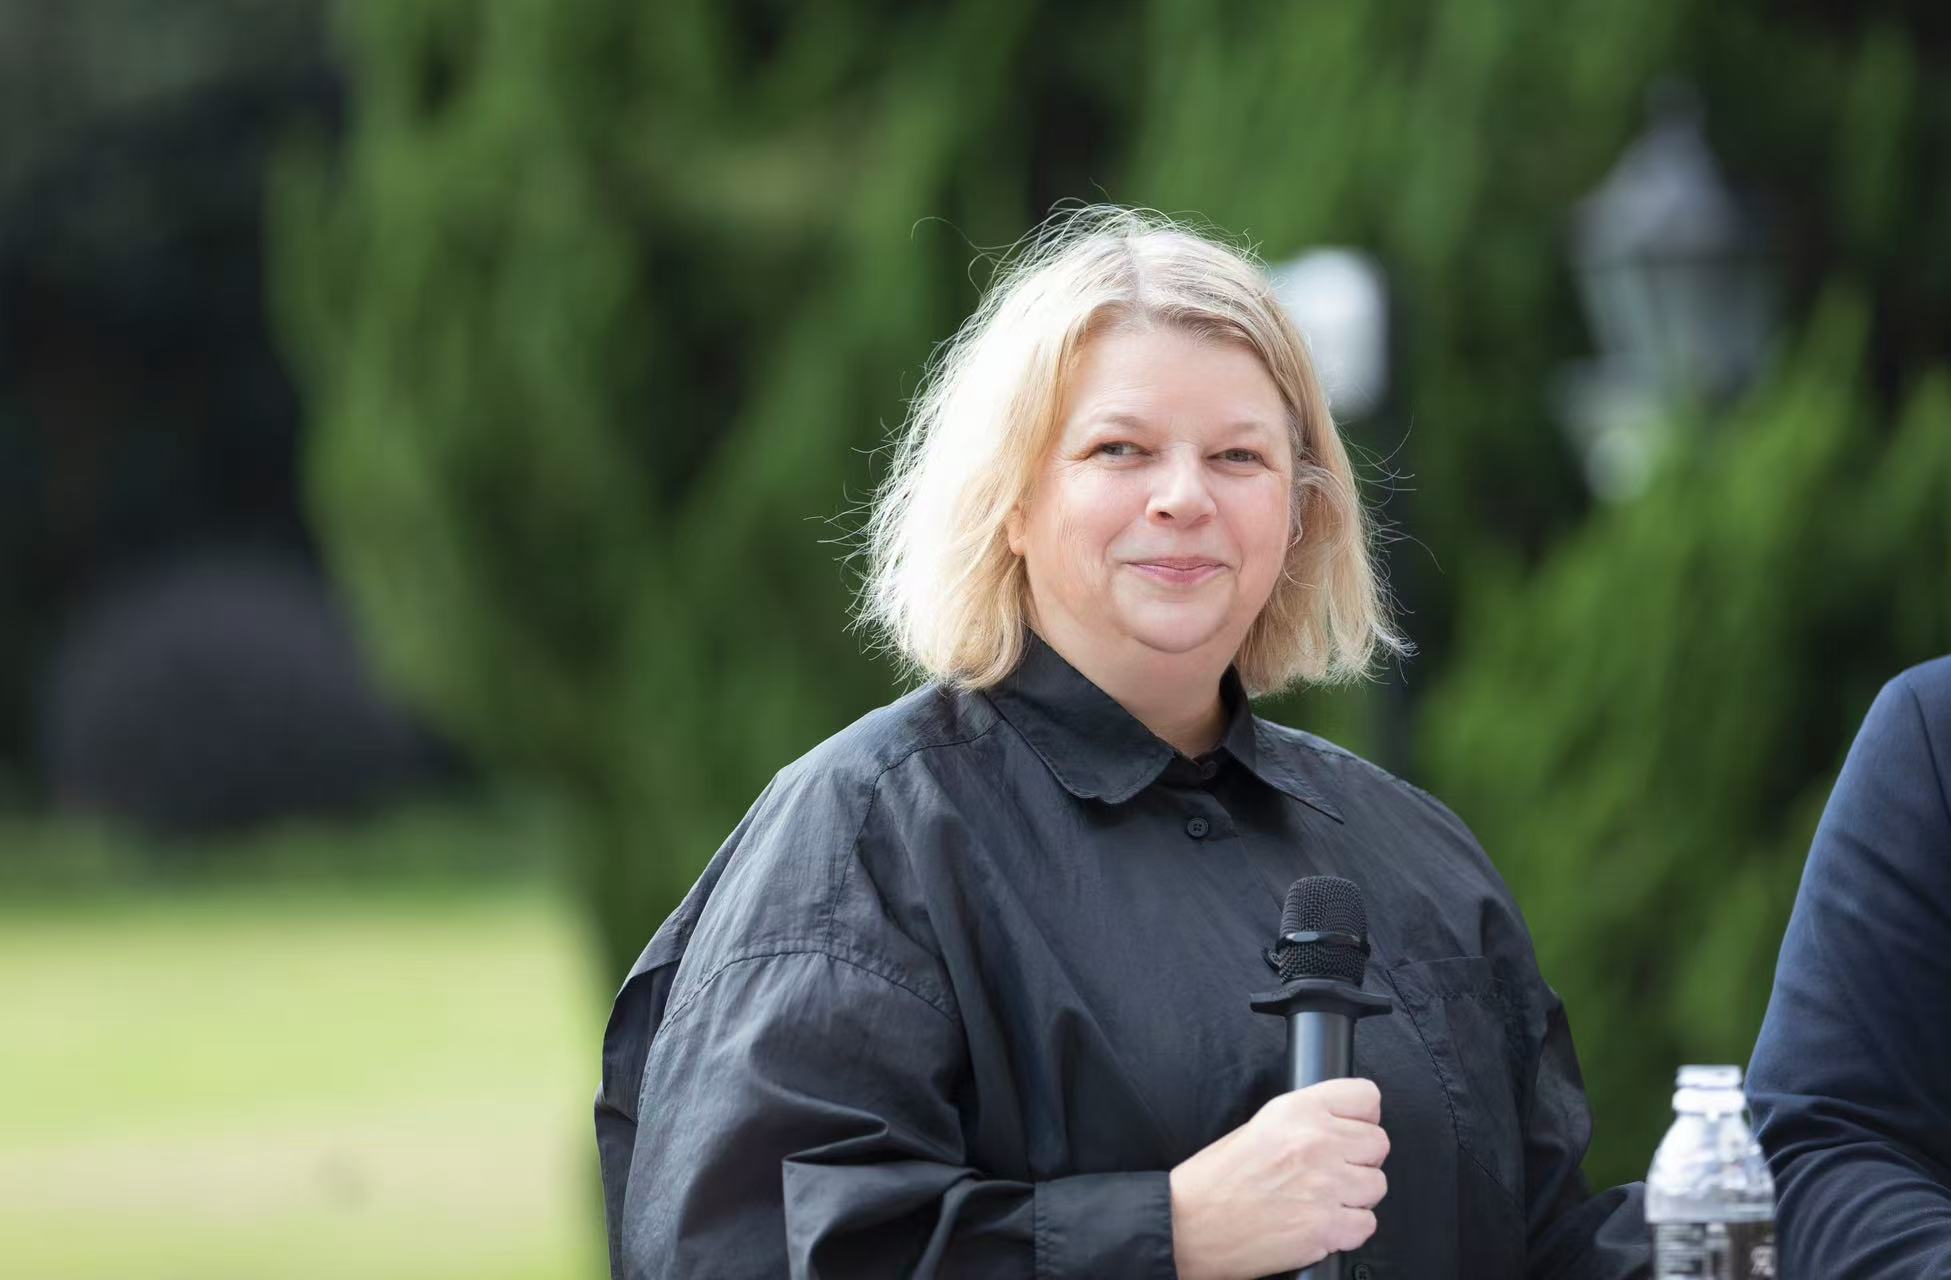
[1847,1080]
[798,1116]
[1573,1234]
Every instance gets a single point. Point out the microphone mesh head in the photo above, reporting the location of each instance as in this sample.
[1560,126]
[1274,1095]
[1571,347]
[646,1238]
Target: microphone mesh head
[1323,904]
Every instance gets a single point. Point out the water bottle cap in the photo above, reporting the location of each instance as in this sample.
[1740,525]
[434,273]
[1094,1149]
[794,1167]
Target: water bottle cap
[1708,1077]
[1709,1091]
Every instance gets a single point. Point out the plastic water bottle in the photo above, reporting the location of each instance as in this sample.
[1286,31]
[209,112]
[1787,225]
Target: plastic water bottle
[1709,1198]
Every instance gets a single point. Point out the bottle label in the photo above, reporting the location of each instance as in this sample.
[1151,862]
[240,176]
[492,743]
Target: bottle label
[1714,1251]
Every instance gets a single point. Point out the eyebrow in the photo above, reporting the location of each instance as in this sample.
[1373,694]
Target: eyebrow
[1132,422]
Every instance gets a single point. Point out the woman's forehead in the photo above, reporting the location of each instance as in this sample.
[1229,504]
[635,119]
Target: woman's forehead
[1146,378]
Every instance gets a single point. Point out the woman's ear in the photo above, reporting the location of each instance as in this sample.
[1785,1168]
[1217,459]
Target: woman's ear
[1013,528]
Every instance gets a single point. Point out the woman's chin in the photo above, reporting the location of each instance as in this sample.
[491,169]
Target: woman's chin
[1175,631]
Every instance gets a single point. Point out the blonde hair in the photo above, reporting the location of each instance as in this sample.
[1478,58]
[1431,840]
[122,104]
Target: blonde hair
[943,589]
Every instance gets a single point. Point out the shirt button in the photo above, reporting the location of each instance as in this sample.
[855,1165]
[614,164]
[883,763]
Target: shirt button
[1362,1271]
[1198,827]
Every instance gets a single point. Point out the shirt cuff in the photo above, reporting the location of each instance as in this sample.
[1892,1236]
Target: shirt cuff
[1100,1224]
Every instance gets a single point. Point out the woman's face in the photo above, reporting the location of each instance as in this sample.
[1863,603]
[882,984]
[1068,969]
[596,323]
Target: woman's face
[1158,523]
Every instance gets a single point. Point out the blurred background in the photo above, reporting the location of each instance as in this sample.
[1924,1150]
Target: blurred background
[430,436]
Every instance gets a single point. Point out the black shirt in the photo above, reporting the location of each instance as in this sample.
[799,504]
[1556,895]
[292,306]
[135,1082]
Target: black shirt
[971,977]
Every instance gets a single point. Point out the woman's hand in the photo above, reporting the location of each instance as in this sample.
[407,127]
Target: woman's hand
[1293,1184]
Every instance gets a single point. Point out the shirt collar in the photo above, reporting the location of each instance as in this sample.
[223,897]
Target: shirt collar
[1100,751]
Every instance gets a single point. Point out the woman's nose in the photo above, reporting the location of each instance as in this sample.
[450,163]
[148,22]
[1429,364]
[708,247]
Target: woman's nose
[1180,494]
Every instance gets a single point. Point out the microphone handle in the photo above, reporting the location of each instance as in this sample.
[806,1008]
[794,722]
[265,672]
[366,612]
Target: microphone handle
[1320,1046]
[1321,1014]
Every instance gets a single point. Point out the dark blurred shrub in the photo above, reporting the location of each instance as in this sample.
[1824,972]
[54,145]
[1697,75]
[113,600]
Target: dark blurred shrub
[215,693]
[1630,730]
[143,407]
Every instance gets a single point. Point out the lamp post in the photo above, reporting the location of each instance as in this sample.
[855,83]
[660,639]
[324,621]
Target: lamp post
[1678,292]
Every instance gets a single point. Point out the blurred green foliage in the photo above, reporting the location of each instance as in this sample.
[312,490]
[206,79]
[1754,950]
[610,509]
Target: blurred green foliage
[594,316]
[602,308]
[1628,728]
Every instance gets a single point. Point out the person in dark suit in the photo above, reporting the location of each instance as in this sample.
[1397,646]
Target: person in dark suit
[1851,1078]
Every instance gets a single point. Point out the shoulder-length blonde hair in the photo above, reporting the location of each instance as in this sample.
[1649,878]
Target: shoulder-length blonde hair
[943,588]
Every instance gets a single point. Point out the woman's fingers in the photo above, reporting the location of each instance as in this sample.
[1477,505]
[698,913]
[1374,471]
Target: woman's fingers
[1352,1098]
[1350,1229]
[1363,1187]
[1364,1144]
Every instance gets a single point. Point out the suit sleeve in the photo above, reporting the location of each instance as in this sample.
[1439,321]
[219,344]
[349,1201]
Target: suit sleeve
[1847,1081]
[798,1117]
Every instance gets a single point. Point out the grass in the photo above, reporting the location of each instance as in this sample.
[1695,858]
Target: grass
[291,1078]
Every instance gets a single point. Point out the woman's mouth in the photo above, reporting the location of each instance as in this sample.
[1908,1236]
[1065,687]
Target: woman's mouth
[1176,575]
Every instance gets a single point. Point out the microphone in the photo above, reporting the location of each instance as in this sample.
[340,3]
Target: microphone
[1320,955]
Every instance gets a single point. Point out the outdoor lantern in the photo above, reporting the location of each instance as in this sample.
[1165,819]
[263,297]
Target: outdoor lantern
[1678,291]
[1337,298]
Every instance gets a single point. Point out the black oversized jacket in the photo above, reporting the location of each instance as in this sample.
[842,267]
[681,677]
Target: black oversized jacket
[971,976]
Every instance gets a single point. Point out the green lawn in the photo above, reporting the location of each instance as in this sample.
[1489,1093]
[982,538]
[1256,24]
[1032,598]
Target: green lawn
[283,1083]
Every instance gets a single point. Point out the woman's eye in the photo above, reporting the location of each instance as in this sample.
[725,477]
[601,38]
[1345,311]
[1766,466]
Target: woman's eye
[1116,444]
[1240,455]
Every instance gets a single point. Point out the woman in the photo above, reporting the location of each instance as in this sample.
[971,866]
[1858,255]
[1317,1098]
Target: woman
[965,993]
